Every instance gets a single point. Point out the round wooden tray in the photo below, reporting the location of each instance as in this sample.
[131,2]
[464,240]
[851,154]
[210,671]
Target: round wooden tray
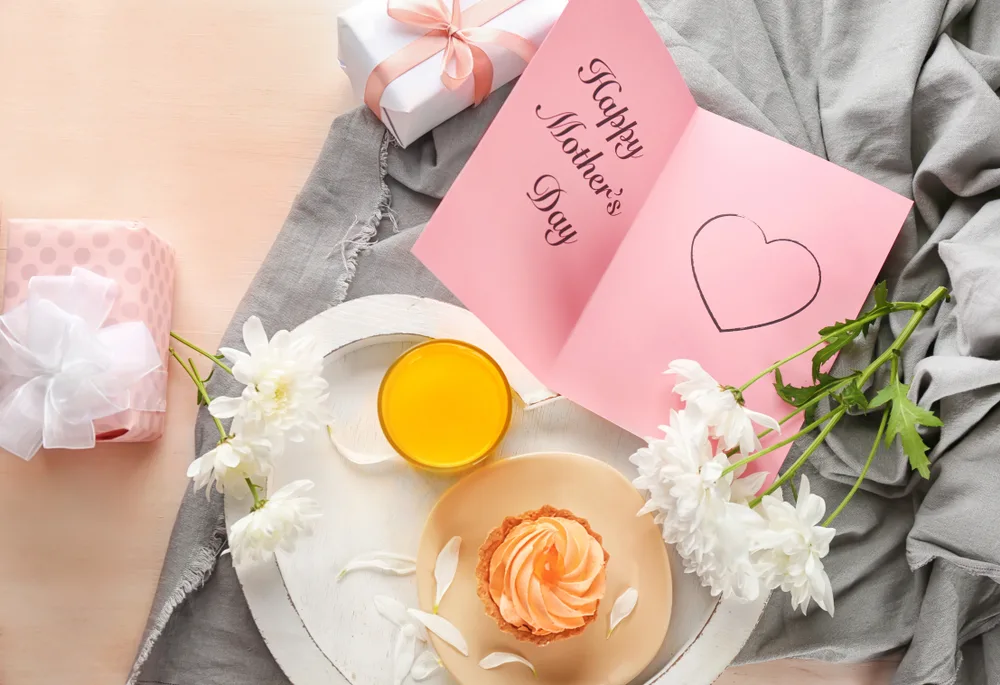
[324,632]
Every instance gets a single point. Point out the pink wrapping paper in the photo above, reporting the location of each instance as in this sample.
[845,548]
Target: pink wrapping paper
[143,266]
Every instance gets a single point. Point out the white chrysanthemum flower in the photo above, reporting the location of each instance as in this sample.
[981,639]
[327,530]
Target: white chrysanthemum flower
[285,392]
[793,546]
[728,420]
[693,502]
[284,517]
[230,463]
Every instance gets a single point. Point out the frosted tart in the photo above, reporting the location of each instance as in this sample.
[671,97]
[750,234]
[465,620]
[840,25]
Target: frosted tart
[541,575]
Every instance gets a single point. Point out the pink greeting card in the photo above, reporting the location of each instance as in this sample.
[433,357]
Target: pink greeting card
[606,226]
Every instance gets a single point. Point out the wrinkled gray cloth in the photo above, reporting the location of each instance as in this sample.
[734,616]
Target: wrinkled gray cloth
[901,91]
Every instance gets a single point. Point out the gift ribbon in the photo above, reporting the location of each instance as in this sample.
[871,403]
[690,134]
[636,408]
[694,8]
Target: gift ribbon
[459,33]
[61,368]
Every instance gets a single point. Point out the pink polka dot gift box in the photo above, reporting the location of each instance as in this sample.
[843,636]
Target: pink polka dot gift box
[141,266]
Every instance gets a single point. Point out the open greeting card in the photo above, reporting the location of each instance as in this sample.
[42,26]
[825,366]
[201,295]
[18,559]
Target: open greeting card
[606,225]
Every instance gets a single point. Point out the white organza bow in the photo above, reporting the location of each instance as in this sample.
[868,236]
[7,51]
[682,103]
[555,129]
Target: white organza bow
[60,370]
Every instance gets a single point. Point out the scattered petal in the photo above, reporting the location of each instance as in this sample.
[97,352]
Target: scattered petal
[406,644]
[386,562]
[623,606]
[392,610]
[444,569]
[355,457]
[443,628]
[497,659]
[426,665]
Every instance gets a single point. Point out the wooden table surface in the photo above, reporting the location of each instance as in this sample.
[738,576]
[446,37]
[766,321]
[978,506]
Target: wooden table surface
[203,119]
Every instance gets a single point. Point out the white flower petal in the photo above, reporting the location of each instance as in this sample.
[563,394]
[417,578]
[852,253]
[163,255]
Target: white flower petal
[356,457]
[406,644]
[225,407]
[426,665]
[293,489]
[762,419]
[233,355]
[497,659]
[254,336]
[226,455]
[386,562]
[622,608]
[391,609]
[804,490]
[746,488]
[443,628]
[195,467]
[445,568]
[282,339]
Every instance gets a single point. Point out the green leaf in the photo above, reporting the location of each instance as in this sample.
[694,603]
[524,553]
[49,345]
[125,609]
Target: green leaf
[825,354]
[904,417]
[836,328]
[798,395]
[853,397]
[881,293]
[881,307]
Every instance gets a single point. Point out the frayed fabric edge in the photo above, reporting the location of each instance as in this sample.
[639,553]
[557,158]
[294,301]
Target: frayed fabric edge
[194,577]
[203,562]
[352,246]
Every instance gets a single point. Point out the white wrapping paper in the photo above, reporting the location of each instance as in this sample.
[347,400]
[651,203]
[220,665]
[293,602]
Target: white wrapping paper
[418,101]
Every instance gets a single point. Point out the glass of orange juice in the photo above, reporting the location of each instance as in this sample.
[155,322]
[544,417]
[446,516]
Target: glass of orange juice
[444,405]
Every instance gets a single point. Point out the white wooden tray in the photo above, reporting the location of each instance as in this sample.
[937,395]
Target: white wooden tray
[323,632]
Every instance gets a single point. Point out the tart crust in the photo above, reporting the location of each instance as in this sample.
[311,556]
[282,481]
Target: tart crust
[490,545]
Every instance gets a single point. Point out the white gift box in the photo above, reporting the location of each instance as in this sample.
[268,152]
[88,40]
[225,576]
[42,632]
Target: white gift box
[417,101]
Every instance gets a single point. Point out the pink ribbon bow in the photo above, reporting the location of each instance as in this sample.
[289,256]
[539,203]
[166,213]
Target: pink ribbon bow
[459,33]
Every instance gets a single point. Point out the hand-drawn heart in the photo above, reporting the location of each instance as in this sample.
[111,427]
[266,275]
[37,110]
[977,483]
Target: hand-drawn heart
[747,280]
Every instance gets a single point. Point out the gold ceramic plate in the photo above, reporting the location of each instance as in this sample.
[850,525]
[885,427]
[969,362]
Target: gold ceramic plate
[590,489]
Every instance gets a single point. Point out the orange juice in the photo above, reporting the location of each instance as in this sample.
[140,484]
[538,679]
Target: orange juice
[444,404]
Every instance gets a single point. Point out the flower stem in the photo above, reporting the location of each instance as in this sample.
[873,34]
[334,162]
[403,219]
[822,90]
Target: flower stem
[257,501]
[778,445]
[807,405]
[777,364]
[835,416]
[208,355]
[192,371]
[940,293]
[864,470]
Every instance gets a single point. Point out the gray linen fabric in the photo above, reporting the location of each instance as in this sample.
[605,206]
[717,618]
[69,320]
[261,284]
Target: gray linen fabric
[901,91]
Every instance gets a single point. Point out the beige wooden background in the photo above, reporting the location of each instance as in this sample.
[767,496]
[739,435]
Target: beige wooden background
[202,118]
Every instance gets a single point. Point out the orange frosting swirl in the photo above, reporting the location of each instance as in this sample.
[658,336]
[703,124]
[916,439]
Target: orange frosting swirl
[548,575]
